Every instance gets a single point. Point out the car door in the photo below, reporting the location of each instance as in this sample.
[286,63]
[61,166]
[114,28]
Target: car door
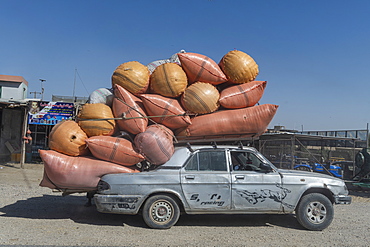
[253,188]
[205,181]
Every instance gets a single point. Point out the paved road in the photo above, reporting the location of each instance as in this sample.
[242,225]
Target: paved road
[33,215]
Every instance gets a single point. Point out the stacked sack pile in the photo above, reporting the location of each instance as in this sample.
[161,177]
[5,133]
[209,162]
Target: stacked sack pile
[188,96]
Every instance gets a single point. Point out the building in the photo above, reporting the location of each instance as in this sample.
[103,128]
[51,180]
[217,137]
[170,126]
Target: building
[13,87]
[27,123]
[288,148]
[13,109]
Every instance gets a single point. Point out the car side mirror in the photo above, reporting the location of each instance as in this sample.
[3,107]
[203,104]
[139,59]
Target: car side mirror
[265,167]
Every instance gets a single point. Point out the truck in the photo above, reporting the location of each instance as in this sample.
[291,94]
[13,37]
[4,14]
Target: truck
[221,179]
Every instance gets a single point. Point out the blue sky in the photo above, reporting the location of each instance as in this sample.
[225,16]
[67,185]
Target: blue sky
[314,54]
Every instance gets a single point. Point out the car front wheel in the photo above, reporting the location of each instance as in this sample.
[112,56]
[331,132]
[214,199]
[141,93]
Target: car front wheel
[161,212]
[315,212]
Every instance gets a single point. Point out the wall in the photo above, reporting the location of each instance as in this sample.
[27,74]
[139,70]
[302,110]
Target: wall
[10,130]
[13,90]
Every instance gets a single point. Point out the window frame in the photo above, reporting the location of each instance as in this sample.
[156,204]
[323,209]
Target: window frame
[255,155]
[196,155]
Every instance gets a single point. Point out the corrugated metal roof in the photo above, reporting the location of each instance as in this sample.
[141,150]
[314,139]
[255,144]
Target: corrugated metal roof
[13,78]
[289,135]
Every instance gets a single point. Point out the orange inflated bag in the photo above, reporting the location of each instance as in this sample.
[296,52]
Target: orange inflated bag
[200,98]
[168,80]
[251,121]
[201,68]
[78,173]
[88,119]
[67,137]
[243,95]
[114,149]
[239,67]
[172,114]
[133,76]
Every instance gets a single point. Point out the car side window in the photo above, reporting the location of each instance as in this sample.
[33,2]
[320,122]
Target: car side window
[193,163]
[207,161]
[245,161]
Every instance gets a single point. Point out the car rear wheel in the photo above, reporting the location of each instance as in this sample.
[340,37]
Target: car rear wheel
[161,212]
[315,212]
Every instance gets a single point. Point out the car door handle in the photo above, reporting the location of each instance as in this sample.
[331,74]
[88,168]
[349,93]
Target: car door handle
[189,176]
[239,176]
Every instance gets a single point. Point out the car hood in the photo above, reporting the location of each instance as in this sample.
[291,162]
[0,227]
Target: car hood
[305,174]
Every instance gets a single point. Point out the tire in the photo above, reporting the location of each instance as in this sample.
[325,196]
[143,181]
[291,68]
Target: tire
[161,212]
[315,212]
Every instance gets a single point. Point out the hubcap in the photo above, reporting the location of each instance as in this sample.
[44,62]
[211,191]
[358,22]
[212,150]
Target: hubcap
[161,211]
[316,212]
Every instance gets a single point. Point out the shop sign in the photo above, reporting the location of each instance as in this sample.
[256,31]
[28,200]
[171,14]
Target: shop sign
[49,113]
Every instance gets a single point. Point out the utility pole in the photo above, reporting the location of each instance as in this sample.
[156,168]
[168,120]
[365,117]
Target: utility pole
[34,94]
[74,84]
[42,88]
[367,135]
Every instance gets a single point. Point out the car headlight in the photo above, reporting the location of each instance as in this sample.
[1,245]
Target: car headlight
[346,192]
[102,185]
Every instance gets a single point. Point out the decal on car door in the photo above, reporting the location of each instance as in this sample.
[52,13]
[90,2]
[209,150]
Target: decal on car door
[263,194]
[214,199]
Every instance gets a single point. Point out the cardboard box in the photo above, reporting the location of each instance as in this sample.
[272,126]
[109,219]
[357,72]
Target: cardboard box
[15,157]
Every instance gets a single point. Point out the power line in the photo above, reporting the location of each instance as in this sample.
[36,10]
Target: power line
[83,84]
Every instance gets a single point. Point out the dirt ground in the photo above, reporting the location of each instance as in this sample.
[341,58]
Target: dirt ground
[34,215]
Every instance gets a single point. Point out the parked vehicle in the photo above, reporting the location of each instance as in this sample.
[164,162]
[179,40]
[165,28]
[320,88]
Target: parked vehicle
[362,165]
[221,180]
[347,167]
[331,169]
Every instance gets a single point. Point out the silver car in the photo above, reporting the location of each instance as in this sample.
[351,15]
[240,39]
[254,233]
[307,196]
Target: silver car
[221,180]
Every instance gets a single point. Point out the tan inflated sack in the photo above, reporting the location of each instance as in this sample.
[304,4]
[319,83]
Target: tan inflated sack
[126,105]
[239,67]
[242,95]
[168,80]
[200,98]
[155,144]
[77,173]
[114,149]
[67,137]
[94,126]
[133,76]
[172,115]
[251,121]
[199,67]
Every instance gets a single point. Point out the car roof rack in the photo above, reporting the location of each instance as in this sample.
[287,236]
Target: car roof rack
[214,144]
[240,145]
[189,147]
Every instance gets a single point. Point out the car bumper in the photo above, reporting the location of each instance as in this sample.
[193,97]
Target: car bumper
[341,199]
[118,204]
